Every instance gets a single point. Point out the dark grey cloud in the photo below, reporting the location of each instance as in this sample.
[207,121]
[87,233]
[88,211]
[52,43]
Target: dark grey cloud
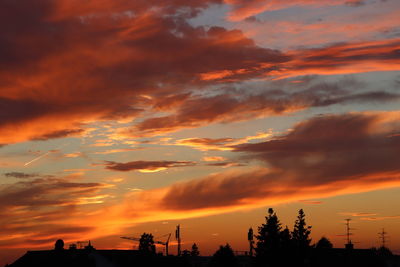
[320,155]
[146,165]
[21,175]
[355,3]
[237,105]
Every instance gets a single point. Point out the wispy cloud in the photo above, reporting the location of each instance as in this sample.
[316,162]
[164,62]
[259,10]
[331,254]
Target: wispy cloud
[21,175]
[146,166]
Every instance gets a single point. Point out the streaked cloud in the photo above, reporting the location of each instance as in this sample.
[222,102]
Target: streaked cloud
[380,218]
[206,143]
[213,158]
[146,166]
[311,202]
[243,9]
[117,150]
[20,175]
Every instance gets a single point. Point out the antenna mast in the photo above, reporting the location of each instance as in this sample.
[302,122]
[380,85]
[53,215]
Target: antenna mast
[178,238]
[382,236]
[349,244]
[348,231]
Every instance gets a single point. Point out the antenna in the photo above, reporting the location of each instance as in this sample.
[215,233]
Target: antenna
[349,244]
[178,238]
[382,236]
[348,230]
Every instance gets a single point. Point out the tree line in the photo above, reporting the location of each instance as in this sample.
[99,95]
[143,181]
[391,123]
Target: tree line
[278,246]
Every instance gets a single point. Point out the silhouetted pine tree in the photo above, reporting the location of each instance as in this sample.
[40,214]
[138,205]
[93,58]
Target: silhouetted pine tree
[269,239]
[195,250]
[301,231]
[286,239]
[301,237]
[286,248]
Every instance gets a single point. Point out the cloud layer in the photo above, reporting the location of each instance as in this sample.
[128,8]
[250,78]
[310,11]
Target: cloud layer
[69,64]
[321,156]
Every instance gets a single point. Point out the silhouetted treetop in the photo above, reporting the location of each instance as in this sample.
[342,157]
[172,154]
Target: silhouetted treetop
[224,257]
[324,243]
[384,252]
[269,237]
[59,245]
[195,250]
[146,244]
[301,232]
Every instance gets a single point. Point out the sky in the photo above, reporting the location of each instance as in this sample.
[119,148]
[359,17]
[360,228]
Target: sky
[120,117]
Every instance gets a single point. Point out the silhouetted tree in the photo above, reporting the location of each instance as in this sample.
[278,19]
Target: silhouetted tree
[286,239]
[269,239]
[146,244]
[223,257]
[323,256]
[59,245]
[301,231]
[301,237]
[195,250]
[324,243]
[185,253]
[286,248]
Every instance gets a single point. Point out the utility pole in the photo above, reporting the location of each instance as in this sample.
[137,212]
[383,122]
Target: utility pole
[167,244]
[250,238]
[382,236]
[178,238]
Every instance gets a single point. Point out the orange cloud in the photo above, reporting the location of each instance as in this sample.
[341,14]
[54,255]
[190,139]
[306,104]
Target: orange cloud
[294,170]
[317,149]
[63,86]
[55,89]
[117,150]
[344,59]
[213,158]
[232,191]
[311,202]
[206,143]
[221,144]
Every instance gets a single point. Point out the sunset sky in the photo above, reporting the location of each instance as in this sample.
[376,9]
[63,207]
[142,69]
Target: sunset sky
[120,117]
